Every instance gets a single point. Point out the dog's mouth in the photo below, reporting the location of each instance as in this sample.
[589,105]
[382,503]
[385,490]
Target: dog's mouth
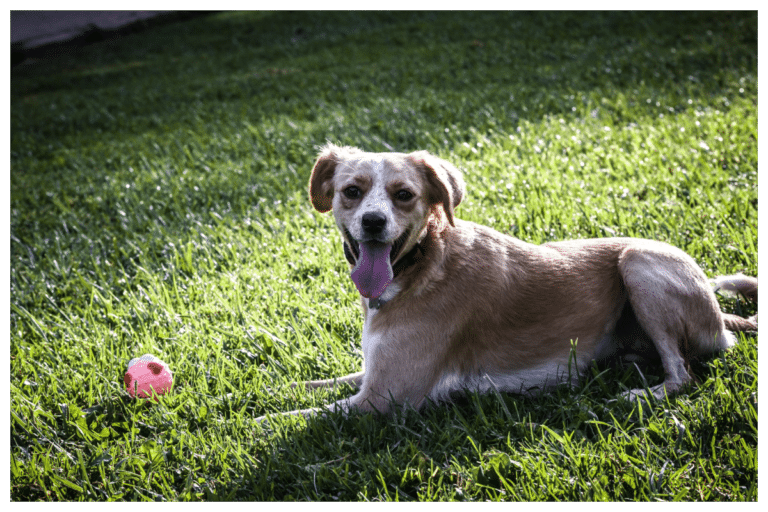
[397,246]
[373,263]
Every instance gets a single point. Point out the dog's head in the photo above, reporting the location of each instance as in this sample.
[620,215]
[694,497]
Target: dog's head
[382,203]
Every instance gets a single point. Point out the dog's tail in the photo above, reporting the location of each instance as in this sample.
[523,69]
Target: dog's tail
[738,284]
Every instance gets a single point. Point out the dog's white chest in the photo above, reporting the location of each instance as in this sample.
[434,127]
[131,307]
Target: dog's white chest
[373,339]
[370,340]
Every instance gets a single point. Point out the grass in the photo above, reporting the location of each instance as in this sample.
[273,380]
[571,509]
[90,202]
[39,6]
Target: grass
[158,204]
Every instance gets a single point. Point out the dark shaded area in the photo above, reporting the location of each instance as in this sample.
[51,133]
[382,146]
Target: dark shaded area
[521,65]
[95,34]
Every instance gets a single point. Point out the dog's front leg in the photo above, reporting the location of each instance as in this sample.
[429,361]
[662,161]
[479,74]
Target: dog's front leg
[371,398]
[355,380]
[399,370]
[343,406]
[396,372]
[360,401]
[375,395]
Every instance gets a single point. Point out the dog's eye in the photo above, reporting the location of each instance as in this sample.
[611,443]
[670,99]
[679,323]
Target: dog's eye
[352,192]
[403,195]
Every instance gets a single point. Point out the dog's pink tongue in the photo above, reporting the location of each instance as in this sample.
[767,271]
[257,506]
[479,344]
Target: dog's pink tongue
[373,272]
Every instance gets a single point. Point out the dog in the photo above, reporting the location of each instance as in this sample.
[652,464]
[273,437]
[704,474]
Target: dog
[451,305]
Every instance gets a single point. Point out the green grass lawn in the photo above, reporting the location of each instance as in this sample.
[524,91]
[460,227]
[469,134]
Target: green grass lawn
[159,204]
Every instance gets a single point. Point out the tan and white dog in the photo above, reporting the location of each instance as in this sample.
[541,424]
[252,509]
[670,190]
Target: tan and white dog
[451,305]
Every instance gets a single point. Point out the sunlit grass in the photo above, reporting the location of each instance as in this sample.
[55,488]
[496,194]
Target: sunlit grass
[158,204]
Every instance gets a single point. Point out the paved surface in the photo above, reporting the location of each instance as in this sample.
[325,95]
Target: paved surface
[37,28]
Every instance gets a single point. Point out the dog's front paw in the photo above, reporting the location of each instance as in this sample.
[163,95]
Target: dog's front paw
[635,395]
[643,395]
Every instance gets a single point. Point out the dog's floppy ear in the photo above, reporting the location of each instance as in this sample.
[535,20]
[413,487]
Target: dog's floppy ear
[320,184]
[445,181]
[321,181]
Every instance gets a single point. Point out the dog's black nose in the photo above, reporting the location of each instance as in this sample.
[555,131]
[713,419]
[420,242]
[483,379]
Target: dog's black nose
[373,223]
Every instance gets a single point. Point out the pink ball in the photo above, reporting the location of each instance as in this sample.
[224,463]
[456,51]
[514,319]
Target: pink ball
[147,376]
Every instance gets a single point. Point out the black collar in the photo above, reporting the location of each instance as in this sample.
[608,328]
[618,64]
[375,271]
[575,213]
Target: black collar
[410,258]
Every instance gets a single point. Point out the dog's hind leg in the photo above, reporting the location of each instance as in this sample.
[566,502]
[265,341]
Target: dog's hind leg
[675,306]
